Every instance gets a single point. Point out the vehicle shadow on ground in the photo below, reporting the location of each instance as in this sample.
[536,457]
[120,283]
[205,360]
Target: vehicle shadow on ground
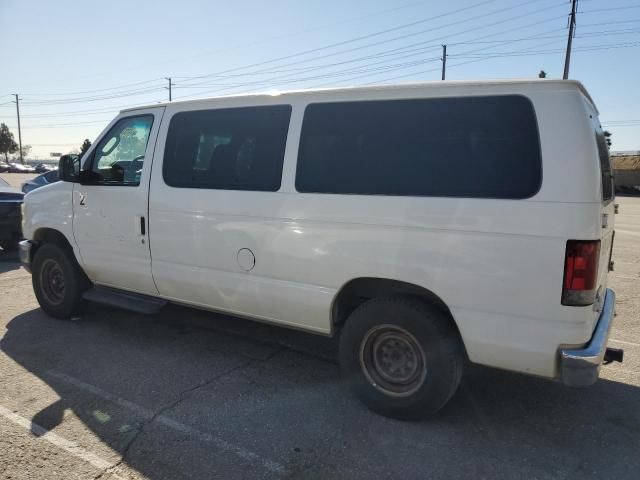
[243,400]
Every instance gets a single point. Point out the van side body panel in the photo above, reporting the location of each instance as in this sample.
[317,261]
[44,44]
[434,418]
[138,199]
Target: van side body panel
[50,207]
[497,264]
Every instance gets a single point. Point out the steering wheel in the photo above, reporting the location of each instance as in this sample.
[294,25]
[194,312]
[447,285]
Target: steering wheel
[136,166]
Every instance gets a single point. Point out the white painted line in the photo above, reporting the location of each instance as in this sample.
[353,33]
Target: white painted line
[625,342]
[627,232]
[625,277]
[147,414]
[55,439]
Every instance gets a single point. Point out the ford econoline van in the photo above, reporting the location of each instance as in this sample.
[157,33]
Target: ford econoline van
[426,225]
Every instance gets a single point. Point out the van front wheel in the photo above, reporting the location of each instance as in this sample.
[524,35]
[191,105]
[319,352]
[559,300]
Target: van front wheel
[402,357]
[58,281]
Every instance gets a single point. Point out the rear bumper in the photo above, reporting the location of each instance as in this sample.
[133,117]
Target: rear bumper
[580,367]
[25,254]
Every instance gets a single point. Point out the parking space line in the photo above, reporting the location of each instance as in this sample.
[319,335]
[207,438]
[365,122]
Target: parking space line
[625,342]
[627,232]
[55,439]
[147,414]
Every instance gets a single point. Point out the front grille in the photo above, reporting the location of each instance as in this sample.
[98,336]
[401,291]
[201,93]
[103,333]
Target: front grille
[9,211]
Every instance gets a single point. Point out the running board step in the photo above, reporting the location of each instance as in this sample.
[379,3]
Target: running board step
[135,302]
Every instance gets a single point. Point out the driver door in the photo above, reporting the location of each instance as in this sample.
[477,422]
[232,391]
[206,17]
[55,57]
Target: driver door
[110,205]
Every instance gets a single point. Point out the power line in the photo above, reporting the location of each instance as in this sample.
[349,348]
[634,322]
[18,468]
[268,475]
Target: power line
[363,37]
[632,20]
[520,27]
[64,125]
[470,54]
[435,69]
[95,98]
[272,79]
[262,41]
[518,53]
[151,90]
[92,91]
[367,70]
[609,9]
[77,112]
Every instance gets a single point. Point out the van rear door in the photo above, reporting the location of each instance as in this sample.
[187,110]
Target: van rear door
[607,210]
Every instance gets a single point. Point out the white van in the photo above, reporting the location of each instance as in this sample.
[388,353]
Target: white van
[427,225]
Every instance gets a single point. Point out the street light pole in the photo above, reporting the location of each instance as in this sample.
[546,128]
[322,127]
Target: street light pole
[19,130]
[170,85]
[444,60]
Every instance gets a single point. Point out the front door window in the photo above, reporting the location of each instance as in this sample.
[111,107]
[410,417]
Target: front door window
[120,154]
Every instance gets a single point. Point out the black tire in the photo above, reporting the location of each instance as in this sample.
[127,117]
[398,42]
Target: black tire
[58,281]
[401,356]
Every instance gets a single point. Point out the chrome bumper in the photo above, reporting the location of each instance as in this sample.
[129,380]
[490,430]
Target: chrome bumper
[580,367]
[25,254]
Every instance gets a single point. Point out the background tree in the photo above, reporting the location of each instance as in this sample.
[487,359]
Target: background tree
[607,137]
[85,146]
[7,143]
[26,150]
[542,74]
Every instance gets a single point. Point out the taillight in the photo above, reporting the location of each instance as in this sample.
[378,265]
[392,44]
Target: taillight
[580,272]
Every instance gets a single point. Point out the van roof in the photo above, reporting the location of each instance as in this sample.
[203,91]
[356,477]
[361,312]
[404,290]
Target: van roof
[536,83]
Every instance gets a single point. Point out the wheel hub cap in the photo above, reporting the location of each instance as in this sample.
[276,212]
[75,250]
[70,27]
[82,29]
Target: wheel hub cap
[52,281]
[393,360]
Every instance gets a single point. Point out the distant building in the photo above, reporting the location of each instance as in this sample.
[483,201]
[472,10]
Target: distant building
[626,170]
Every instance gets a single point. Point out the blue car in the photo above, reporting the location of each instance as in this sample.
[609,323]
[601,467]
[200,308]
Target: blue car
[40,181]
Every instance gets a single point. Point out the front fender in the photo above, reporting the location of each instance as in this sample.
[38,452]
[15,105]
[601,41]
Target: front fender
[51,208]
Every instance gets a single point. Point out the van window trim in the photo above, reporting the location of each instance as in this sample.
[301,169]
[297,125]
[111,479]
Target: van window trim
[287,139]
[534,193]
[89,163]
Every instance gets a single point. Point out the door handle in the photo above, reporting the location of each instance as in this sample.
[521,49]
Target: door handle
[140,226]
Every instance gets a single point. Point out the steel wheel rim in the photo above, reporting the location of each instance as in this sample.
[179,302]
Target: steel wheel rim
[52,281]
[393,360]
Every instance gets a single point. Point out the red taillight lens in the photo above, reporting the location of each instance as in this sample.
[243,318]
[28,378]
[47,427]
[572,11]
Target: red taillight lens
[580,272]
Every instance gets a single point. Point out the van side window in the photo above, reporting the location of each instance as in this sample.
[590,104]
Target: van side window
[227,149]
[119,155]
[605,166]
[483,147]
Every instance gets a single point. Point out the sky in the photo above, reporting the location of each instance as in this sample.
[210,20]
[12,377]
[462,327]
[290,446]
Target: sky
[76,63]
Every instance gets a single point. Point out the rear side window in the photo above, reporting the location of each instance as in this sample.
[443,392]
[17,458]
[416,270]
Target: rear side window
[227,149]
[605,166]
[484,147]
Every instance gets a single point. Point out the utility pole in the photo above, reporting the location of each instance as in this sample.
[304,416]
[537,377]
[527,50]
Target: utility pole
[572,26]
[170,85]
[17,102]
[444,60]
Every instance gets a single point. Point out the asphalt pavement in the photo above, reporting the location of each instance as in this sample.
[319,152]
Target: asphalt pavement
[190,394]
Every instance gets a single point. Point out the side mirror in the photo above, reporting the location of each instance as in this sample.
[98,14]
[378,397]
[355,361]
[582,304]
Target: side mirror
[69,168]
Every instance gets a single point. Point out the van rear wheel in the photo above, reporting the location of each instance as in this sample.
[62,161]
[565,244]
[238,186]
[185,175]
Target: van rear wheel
[58,281]
[401,356]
